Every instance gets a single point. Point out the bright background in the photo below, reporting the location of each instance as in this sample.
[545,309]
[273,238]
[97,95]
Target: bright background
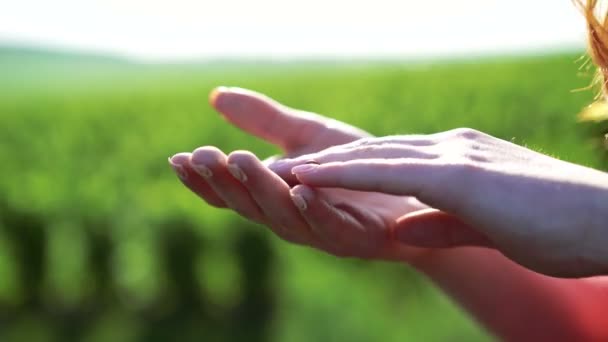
[100,242]
[178,29]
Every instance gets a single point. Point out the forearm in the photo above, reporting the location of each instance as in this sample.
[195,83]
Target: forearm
[517,304]
[593,204]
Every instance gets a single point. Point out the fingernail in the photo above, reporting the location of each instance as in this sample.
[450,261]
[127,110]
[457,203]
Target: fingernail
[179,170]
[299,202]
[213,95]
[305,168]
[237,172]
[202,170]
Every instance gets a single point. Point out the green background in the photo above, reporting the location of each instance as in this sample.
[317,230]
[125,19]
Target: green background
[100,242]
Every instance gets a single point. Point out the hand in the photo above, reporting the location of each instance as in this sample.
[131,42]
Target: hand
[544,213]
[341,222]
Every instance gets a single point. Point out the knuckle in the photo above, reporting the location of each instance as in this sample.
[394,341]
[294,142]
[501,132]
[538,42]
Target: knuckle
[475,157]
[464,150]
[465,133]
[472,151]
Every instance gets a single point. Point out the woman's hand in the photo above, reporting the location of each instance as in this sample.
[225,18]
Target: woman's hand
[547,214]
[365,224]
[342,222]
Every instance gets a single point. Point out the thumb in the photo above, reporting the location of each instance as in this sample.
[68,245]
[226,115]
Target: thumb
[437,229]
[265,118]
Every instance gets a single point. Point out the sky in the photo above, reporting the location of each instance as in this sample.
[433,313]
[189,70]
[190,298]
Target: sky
[284,29]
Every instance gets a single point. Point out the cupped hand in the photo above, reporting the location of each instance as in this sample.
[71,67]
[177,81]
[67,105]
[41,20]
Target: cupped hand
[338,221]
[546,214]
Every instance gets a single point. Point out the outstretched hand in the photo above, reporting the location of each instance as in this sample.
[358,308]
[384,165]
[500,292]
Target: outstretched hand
[338,221]
[544,213]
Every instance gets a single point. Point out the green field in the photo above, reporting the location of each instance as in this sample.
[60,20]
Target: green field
[100,242]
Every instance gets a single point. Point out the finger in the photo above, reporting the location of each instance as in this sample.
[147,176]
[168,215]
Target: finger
[436,229]
[262,116]
[210,163]
[287,176]
[265,118]
[193,181]
[397,177]
[271,194]
[282,169]
[342,232]
[345,153]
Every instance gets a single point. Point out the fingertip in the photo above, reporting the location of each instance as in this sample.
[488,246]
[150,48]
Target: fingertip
[242,157]
[304,168]
[207,155]
[251,165]
[179,158]
[310,177]
[215,94]
[178,163]
[304,173]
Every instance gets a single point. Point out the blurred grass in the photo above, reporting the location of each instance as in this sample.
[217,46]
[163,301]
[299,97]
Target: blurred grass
[99,241]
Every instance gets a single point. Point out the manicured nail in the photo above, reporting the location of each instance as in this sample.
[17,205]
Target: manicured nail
[179,170]
[299,202]
[304,168]
[202,170]
[237,172]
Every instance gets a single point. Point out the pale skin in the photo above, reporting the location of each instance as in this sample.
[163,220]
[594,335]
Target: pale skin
[415,199]
[549,215]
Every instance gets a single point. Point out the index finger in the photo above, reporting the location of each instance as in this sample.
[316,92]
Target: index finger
[428,180]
